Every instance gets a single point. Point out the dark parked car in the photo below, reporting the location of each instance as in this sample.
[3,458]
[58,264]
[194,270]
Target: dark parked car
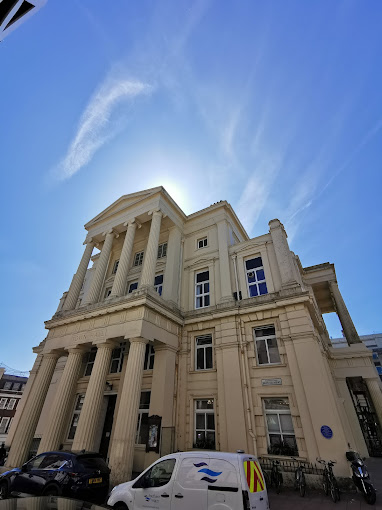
[81,476]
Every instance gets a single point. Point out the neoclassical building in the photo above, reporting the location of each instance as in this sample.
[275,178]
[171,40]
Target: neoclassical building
[186,334]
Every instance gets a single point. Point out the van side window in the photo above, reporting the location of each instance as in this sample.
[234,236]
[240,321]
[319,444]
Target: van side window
[160,474]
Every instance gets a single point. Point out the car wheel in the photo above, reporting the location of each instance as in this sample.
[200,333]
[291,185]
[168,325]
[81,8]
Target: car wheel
[120,506]
[3,490]
[51,490]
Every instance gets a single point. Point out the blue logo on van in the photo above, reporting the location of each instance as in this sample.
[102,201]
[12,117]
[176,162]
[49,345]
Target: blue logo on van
[208,472]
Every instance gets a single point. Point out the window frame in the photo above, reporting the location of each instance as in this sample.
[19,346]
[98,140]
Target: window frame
[159,286]
[205,412]
[90,363]
[256,283]
[76,413]
[149,356]
[7,385]
[11,404]
[278,412]
[265,338]
[202,295]
[130,284]
[138,258]
[204,241]
[162,248]
[119,359]
[6,420]
[115,267]
[141,412]
[204,348]
[3,402]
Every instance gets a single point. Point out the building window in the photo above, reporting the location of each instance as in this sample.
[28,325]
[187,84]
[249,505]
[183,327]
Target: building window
[204,424]
[281,436]
[7,385]
[143,417]
[162,250]
[16,386]
[138,258]
[117,358]
[4,425]
[255,277]
[107,292]
[3,403]
[149,357]
[158,283]
[115,267]
[202,243]
[11,403]
[202,289]
[203,352]
[89,360]
[132,286]
[76,416]
[267,351]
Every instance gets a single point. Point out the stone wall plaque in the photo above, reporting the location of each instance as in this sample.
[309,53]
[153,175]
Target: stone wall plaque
[271,382]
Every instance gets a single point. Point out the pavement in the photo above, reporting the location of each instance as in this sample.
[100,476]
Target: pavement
[288,499]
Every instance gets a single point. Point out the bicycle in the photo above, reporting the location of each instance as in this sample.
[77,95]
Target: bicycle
[299,480]
[329,481]
[276,476]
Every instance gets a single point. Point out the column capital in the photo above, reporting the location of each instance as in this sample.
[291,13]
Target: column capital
[138,340]
[76,349]
[132,222]
[103,343]
[156,212]
[110,231]
[88,240]
[53,354]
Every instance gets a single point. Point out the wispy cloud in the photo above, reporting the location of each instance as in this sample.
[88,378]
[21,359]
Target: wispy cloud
[95,127]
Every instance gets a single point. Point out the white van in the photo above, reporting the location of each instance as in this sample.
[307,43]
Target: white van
[196,481]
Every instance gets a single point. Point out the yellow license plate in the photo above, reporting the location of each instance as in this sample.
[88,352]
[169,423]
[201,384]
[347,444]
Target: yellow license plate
[95,480]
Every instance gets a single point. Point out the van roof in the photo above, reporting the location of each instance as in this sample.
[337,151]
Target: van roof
[211,455]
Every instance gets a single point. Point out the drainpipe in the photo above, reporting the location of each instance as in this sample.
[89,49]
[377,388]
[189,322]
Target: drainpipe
[246,384]
[235,271]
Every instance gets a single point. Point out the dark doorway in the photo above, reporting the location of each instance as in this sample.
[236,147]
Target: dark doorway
[367,417]
[108,425]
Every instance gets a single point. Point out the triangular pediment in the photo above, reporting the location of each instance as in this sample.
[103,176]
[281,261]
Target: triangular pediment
[123,203]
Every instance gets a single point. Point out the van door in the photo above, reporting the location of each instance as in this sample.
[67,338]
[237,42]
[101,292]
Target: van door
[154,488]
[224,489]
[254,483]
[190,487]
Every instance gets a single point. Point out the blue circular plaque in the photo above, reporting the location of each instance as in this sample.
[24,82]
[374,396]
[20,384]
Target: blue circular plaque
[326,432]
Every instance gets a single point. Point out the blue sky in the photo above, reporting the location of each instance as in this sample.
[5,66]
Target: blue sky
[274,106]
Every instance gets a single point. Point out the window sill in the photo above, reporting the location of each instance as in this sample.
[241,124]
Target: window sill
[207,370]
[269,365]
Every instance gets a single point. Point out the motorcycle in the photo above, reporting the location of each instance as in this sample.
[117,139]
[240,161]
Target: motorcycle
[360,477]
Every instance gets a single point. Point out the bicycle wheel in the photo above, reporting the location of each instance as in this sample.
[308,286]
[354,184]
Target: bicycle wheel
[302,485]
[333,492]
[325,484]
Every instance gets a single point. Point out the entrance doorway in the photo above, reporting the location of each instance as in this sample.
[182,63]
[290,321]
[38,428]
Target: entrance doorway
[107,427]
[367,417]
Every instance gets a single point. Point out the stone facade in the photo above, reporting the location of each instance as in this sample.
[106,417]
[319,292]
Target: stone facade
[218,335]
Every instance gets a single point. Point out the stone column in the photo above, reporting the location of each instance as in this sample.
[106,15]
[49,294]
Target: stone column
[151,255]
[31,413]
[375,391]
[99,275]
[78,279]
[88,423]
[173,263]
[225,272]
[54,430]
[125,428]
[344,315]
[283,254]
[124,261]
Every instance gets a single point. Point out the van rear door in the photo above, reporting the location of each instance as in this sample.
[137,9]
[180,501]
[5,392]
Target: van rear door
[224,489]
[254,483]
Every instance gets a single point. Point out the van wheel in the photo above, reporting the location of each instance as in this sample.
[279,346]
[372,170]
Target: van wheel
[3,490]
[51,490]
[120,506]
